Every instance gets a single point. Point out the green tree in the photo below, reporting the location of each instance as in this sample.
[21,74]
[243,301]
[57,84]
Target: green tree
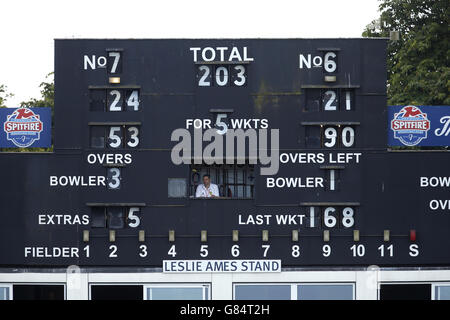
[47,98]
[418,68]
[4,95]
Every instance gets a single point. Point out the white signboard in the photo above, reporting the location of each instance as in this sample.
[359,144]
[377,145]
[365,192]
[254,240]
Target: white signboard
[217,266]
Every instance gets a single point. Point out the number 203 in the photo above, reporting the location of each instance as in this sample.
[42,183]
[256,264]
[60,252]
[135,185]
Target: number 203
[221,76]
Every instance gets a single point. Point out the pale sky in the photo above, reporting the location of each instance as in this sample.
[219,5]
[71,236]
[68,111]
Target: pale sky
[28,27]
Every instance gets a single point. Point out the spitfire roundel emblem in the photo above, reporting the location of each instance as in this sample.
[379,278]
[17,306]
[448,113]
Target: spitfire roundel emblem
[410,125]
[23,127]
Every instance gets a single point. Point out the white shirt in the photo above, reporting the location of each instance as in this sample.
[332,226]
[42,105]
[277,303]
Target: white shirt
[204,192]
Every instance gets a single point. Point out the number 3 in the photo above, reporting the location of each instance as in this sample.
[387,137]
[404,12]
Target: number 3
[241,75]
[134,140]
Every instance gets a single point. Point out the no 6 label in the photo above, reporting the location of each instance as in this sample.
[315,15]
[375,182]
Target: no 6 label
[327,61]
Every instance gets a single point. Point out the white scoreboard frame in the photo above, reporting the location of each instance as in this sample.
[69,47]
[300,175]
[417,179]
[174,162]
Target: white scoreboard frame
[366,282]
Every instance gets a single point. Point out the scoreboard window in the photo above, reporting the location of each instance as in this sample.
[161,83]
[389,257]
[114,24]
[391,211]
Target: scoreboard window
[409,291]
[294,291]
[177,292]
[5,292]
[325,292]
[177,188]
[39,292]
[116,292]
[262,292]
[234,181]
[442,292]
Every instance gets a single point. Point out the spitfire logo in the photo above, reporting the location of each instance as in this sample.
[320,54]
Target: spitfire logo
[23,127]
[410,125]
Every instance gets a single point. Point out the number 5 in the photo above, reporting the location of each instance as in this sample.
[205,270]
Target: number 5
[204,251]
[114,140]
[221,124]
[134,220]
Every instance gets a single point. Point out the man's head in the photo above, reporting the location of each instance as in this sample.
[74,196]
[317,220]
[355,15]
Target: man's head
[206,180]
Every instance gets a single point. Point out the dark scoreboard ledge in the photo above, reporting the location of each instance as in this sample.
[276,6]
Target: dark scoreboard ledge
[326,123]
[321,204]
[332,167]
[333,86]
[114,123]
[116,204]
[220,62]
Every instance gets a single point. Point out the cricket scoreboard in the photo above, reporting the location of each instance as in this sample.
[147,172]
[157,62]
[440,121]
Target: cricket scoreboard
[292,131]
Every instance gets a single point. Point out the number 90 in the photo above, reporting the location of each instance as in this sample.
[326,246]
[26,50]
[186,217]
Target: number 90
[330,137]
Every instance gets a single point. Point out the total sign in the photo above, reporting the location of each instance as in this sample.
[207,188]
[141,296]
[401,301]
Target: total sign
[25,127]
[419,126]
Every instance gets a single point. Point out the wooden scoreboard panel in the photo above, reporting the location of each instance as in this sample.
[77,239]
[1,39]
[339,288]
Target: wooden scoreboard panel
[312,183]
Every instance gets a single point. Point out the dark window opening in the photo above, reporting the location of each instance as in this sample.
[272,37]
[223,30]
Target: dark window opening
[405,292]
[117,292]
[38,292]
[233,181]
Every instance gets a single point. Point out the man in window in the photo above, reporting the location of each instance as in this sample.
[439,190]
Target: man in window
[207,189]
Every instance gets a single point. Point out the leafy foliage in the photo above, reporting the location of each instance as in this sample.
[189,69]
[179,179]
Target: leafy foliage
[418,68]
[47,94]
[4,95]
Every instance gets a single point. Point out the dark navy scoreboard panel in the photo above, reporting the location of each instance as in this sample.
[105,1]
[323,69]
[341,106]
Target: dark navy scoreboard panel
[110,194]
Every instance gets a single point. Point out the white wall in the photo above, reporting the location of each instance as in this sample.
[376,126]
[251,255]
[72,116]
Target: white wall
[366,281]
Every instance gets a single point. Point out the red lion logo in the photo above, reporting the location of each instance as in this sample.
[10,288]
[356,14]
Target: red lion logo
[411,112]
[24,113]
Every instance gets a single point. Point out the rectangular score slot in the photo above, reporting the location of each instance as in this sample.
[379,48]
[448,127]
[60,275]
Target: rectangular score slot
[332,179]
[115,100]
[313,136]
[338,217]
[97,137]
[97,100]
[313,97]
[330,62]
[222,75]
[340,136]
[114,178]
[115,136]
[347,100]
[330,99]
[98,217]
[114,62]
[115,217]
[313,217]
